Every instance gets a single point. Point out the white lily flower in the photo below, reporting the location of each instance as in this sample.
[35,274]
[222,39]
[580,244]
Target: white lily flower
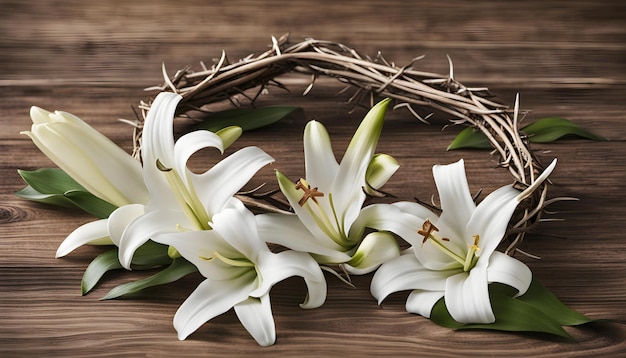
[453,255]
[240,270]
[329,200]
[180,199]
[95,162]
[89,157]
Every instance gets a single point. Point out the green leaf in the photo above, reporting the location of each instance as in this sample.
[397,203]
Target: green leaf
[536,311]
[542,299]
[90,203]
[29,193]
[470,138]
[50,180]
[102,264]
[149,255]
[552,128]
[542,131]
[246,118]
[53,186]
[178,269]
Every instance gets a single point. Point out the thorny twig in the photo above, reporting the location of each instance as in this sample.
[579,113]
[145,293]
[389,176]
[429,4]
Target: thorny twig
[371,78]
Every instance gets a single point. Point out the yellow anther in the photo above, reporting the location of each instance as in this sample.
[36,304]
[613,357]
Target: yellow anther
[475,246]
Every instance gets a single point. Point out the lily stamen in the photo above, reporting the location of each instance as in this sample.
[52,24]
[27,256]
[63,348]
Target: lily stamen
[427,230]
[471,258]
[227,260]
[308,192]
[326,217]
[186,196]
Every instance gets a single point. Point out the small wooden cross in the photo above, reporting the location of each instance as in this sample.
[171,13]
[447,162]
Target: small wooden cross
[426,230]
[308,192]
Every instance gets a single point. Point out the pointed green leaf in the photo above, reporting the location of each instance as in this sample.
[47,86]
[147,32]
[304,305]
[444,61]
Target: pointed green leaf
[552,128]
[149,255]
[50,180]
[177,270]
[53,186]
[536,311]
[542,131]
[541,298]
[29,193]
[246,118]
[102,264]
[90,203]
[470,138]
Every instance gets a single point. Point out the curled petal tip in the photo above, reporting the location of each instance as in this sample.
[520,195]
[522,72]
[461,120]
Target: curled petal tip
[39,115]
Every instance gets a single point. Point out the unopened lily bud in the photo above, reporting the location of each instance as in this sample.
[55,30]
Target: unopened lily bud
[88,156]
[379,171]
[229,135]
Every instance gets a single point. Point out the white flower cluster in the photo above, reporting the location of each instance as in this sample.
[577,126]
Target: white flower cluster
[452,256]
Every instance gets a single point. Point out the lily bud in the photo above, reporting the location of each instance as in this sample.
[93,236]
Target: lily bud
[229,135]
[379,171]
[88,156]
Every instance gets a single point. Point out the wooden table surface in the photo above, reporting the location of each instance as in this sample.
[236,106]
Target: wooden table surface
[93,59]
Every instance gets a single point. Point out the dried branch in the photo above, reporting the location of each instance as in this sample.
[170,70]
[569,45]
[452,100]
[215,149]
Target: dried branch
[371,78]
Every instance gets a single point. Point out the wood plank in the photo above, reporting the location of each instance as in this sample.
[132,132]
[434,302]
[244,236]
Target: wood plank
[489,42]
[94,59]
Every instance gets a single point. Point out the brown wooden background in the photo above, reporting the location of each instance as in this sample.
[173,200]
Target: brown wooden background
[565,58]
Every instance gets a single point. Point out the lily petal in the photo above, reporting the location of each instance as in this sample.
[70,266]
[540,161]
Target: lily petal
[375,249]
[421,302]
[39,115]
[467,297]
[119,167]
[192,142]
[208,300]
[414,209]
[158,144]
[509,271]
[84,234]
[277,267]
[388,217]
[290,232]
[320,163]
[429,255]
[457,204]
[238,227]
[140,230]
[217,186]
[293,195]
[199,248]
[491,218]
[255,314]
[121,218]
[350,179]
[406,273]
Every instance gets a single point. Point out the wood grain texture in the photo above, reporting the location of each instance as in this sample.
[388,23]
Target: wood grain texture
[564,58]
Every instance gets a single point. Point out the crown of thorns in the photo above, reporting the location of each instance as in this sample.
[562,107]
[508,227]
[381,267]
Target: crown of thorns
[368,78]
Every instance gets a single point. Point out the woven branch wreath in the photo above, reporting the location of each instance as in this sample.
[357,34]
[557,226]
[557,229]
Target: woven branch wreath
[371,78]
